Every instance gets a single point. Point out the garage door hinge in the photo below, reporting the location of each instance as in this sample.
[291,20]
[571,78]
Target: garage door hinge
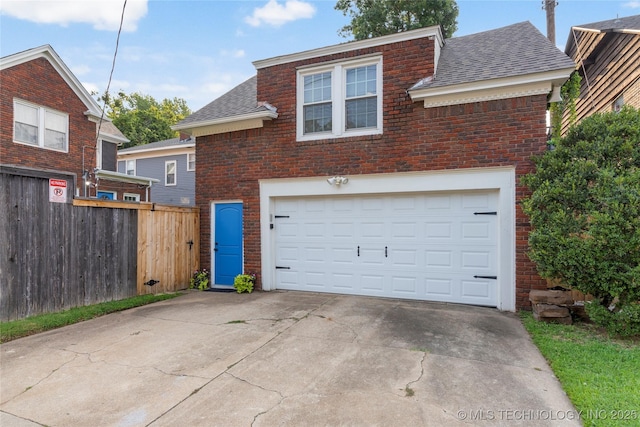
[282,268]
[485,213]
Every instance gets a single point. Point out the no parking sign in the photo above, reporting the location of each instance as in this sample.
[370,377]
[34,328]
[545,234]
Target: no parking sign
[58,190]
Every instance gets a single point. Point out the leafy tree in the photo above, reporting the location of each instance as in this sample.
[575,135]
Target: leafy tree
[142,119]
[585,216]
[373,18]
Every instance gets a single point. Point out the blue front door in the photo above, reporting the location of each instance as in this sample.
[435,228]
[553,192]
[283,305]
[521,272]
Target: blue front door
[227,245]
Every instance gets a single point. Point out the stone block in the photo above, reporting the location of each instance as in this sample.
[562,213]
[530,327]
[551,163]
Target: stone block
[562,320]
[537,296]
[550,310]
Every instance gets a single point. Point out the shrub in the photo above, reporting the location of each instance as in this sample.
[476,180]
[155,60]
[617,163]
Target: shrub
[199,280]
[585,212]
[244,283]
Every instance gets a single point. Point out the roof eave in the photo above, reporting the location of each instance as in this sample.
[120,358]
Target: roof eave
[226,124]
[121,177]
[486,90]
[433,31]
[151,150]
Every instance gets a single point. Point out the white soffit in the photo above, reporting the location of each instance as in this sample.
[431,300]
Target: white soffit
[487,90]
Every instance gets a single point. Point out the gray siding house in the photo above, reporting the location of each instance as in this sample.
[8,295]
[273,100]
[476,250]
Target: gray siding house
[172,162]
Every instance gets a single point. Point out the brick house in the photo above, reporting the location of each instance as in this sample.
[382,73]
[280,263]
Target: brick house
[385,167]
[607,54]
[50,122]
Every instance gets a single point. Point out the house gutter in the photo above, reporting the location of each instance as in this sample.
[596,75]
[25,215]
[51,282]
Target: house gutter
[130,179]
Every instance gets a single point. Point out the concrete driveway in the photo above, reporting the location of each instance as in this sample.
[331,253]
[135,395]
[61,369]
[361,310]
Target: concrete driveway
[283,358]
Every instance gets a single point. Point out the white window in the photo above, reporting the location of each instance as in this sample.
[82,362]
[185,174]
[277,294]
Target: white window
[170,172]
[131,167]
[40,127]
[130,197]
[191,161]
[340,100]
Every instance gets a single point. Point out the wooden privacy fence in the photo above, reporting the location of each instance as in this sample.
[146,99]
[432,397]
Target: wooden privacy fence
[58,255]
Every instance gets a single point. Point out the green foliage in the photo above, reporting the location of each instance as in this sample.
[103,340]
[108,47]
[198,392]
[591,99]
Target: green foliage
[599,374]
[199,280]
[569,93]
[244,283]
[585,209]
[44,322]
[373,18]
[624,322]
[142,119]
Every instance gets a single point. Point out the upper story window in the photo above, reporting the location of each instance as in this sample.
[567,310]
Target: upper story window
[170,172]
[191,161]
[342,99]
[40,127]
[131,167]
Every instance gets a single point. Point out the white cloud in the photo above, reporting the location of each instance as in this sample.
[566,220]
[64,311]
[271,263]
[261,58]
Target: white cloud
[102,14]
[80,70]
[236,53]
[276,14]
[632,4]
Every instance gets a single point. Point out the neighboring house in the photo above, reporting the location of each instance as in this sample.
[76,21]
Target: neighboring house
[50,121]
[386,167]
[607,56]
[171,162]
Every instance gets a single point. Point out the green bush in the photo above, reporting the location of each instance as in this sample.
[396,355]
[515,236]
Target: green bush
[244,283]
[199,280]
[585,212]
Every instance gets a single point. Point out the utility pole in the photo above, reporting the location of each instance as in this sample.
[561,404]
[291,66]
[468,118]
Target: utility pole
[550,7]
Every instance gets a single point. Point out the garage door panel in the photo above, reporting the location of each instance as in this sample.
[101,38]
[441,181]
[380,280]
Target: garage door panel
[417,246]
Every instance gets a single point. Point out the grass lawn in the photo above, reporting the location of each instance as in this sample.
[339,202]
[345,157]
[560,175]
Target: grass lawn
[44,322]
[600,375]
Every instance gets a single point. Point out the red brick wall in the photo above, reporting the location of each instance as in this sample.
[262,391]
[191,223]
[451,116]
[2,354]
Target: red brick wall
[38,82]
[482,134]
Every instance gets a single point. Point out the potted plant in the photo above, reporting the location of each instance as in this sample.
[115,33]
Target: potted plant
[199,280]
[244,283]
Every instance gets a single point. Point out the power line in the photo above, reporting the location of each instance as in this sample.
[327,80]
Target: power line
[113,66]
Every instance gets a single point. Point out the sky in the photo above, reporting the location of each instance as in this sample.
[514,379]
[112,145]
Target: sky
[198,50]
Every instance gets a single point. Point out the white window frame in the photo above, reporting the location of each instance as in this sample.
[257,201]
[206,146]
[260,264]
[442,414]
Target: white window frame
[338,98]
[175,173]
[189,168]
[126,167]
[42,113]
[131,197]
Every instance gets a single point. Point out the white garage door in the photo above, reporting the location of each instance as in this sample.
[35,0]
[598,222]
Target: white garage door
[434,246]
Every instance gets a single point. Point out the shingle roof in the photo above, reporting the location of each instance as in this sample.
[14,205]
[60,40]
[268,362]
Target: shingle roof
[167,143]
[238,101]
[515,50]
[510,51]
[629,22]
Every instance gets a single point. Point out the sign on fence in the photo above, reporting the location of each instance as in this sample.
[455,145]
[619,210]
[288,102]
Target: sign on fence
[57,190]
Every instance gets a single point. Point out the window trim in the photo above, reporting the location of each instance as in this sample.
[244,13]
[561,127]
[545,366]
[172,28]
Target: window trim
[42,110]
[338,99]
[175,173]
[126,167]
[189,162]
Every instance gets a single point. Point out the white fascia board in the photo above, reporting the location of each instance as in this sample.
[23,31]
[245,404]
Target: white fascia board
[160,151]
[433,31]
[226,124]
[123,177]
[485,90]
[47,52]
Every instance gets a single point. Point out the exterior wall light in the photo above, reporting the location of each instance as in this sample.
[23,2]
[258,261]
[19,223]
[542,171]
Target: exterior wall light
[338,180]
